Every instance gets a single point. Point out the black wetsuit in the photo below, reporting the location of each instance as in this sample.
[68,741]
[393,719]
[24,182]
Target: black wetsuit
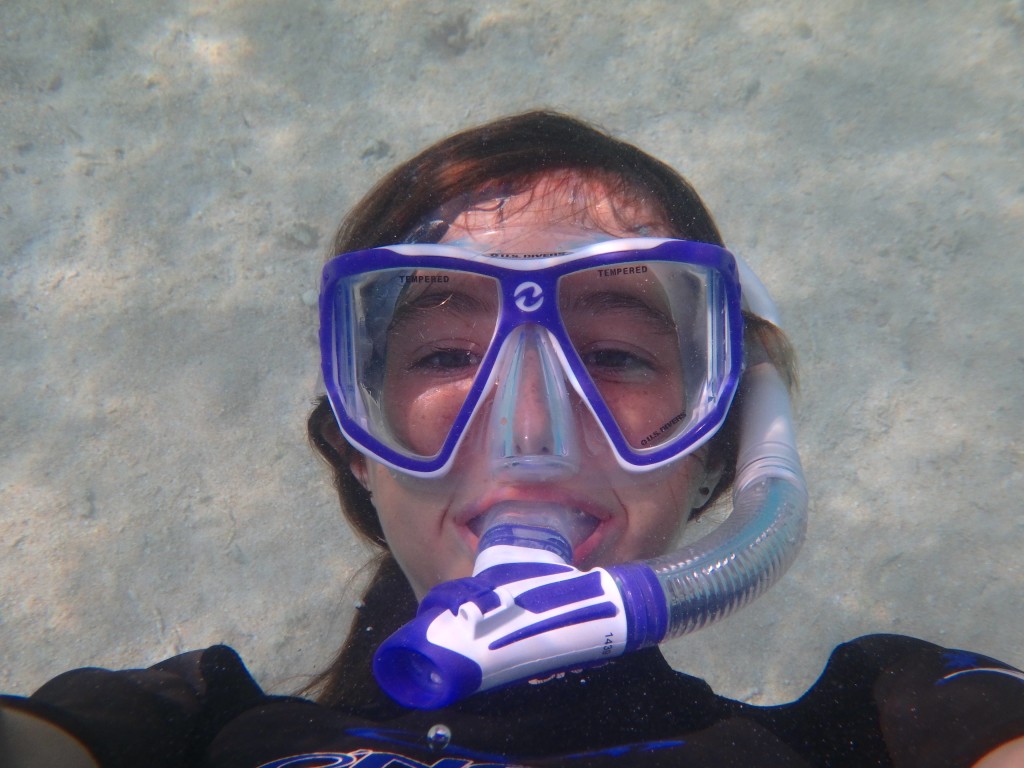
[882,700]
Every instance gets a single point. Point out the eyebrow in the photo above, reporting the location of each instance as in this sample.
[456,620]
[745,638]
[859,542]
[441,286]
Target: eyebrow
[604,301]
[410,308]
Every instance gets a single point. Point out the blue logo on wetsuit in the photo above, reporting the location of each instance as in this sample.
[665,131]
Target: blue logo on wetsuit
[365,758]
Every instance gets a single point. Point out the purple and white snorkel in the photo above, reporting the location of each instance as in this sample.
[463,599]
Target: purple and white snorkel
[527,612]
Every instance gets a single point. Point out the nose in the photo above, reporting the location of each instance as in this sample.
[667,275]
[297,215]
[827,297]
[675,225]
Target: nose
[533,430]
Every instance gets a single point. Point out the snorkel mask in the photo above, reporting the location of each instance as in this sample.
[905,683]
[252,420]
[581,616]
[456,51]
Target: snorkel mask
[646,332]
[635,344]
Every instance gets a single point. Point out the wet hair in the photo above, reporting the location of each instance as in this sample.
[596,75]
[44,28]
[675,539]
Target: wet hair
[414,203]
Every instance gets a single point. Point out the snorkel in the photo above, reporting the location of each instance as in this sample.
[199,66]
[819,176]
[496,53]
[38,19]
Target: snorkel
[527,611]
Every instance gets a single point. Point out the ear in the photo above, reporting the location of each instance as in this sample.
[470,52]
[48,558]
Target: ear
[356,461]
[357,465]
[706,488]
[328,440]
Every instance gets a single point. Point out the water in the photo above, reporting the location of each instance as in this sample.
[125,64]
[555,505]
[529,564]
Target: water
[169,181]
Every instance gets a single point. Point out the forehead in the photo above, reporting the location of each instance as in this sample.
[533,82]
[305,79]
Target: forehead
[556,213]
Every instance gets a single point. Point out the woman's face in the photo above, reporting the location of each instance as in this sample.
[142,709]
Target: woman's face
[429,523]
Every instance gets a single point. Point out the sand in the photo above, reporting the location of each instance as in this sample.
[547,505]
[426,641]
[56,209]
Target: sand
[170,177]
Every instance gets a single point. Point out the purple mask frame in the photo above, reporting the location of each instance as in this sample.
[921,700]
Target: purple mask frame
[525,284]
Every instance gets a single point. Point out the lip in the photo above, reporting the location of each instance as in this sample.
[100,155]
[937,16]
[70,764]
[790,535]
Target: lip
[469,519]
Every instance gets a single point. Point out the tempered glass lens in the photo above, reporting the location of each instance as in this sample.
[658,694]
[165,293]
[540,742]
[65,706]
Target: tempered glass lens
[643,332]
[425,333]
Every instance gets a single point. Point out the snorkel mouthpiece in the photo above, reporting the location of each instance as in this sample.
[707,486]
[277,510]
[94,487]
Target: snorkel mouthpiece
[541,525]
[525,612]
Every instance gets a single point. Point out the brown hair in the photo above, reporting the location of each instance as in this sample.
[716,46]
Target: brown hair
[502,157]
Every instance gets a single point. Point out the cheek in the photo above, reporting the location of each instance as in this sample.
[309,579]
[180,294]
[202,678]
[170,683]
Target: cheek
[420,418]
[662,530]
[657,510]
[646,416]
[417,530]
[402,520]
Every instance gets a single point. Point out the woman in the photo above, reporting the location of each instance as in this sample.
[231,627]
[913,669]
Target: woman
[617,411]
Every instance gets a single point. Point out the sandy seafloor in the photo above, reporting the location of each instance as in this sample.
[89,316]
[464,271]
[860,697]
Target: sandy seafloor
[170,177]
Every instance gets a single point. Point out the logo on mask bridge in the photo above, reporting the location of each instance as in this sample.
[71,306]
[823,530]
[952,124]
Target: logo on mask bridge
[529,296]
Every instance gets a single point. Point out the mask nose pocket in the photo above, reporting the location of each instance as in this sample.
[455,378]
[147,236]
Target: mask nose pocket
[532,426]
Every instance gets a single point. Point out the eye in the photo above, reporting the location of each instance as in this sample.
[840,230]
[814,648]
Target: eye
[442,360]
[616,361]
